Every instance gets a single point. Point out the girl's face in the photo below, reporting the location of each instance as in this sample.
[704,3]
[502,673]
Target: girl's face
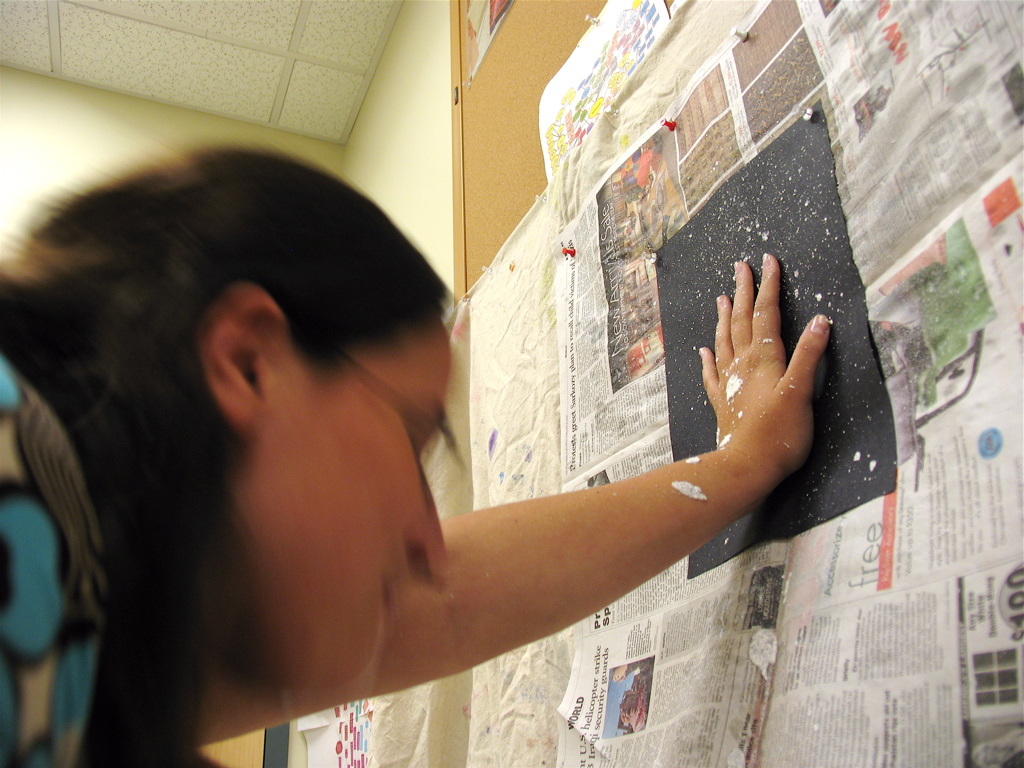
[335,514]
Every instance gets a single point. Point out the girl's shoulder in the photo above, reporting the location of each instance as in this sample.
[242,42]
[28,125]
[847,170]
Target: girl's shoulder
[51,584]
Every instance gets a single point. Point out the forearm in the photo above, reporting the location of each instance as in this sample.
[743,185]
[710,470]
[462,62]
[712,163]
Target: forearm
[522,571]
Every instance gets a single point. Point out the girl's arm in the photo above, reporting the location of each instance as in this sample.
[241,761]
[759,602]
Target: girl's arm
[519,572]
[522,571]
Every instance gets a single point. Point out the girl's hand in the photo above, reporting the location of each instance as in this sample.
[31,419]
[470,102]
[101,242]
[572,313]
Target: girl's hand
[763,406]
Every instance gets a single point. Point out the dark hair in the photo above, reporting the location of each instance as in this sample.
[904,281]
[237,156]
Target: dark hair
[101,314]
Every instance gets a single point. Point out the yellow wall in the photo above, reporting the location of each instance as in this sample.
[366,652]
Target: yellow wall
[57,136]
[400,150]
[240,752]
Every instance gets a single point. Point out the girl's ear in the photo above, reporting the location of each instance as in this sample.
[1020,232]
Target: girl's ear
[239,342]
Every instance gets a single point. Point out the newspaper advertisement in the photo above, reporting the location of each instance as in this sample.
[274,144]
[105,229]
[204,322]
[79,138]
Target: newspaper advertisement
[921,676]
[607,293]
[936,566]
[946,319]
[896,635]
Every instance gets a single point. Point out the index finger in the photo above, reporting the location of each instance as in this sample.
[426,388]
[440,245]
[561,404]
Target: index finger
[804,363]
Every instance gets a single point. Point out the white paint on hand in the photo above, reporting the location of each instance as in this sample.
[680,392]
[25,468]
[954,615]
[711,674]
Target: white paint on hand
[725,440]
[693,460]
[689,489]
[732,386]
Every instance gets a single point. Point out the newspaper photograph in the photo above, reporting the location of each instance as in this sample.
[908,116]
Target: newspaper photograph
[609,317]
[915,569]
[910,570]
[946,322]
[678,669]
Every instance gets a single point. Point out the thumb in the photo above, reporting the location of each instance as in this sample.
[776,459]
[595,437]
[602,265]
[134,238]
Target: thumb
[809,350]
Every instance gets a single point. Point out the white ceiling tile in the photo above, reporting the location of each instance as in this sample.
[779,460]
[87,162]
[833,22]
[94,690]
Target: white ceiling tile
[270,22]
[172,66]
[26,38]
[319,100]
[345,31]
[222,56]
[264,22]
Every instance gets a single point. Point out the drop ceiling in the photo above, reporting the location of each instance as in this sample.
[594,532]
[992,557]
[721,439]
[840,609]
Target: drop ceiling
[301,66]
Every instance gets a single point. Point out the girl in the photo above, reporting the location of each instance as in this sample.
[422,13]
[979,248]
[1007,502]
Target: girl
[219,375]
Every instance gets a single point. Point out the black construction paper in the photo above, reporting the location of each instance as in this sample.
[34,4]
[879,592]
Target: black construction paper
[784,202]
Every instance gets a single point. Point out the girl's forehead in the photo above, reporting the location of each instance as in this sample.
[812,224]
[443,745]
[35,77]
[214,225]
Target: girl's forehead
[414,362]
[423,342]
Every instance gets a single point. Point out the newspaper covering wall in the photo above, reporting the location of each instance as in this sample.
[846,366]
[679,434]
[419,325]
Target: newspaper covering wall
[927,100]
[667,672]
[897,640]
[613,355]
[937,566]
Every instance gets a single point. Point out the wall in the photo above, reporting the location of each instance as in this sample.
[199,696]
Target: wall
[56,135]
[499,188]
[400,150]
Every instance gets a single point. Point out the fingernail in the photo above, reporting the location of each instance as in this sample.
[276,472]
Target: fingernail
[820,324]
[723,302]
[736,268]
[766,260]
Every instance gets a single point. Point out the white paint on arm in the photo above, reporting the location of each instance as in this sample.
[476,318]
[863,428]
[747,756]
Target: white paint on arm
[689,489]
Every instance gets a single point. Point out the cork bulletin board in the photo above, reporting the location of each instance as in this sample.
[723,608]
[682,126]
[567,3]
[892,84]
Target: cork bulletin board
[499,167]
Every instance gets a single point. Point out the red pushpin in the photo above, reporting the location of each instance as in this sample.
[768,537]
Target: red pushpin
[670,124]
[568,251]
